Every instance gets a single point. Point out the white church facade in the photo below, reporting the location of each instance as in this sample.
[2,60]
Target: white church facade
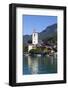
[34,41]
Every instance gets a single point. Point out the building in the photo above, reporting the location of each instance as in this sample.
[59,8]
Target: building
[34,41]
[34,38]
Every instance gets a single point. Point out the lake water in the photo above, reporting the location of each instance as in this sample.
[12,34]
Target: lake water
[39,64]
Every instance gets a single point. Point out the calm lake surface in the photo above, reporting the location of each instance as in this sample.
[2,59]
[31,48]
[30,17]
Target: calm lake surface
[39,64]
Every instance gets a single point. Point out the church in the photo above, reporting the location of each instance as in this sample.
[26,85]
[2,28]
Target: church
[34,41]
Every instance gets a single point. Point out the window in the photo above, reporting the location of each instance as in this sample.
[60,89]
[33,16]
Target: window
[34,34]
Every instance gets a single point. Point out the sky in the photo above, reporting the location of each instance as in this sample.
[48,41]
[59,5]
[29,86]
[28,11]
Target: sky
[36,23]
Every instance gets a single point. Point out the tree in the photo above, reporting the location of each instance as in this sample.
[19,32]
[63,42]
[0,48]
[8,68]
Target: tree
[25,48]
[29,41]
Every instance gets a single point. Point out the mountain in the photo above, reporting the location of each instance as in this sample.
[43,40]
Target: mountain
[49,32]
[26,38]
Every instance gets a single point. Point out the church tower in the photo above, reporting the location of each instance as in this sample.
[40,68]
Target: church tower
[34,41]
[35,38]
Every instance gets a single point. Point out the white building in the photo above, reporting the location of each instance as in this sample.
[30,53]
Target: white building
[35,38]
[30,46]
[34,41]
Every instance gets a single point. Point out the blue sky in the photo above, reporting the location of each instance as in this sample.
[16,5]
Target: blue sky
[38,23]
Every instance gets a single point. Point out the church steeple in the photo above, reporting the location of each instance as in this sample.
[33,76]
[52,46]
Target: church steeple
[34,30]
[34,37]
[34,40]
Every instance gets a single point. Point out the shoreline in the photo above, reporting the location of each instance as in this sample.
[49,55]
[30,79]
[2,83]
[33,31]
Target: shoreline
[40,54]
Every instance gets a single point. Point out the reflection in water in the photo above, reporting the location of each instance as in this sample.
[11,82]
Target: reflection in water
[39,64]
[33,64]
